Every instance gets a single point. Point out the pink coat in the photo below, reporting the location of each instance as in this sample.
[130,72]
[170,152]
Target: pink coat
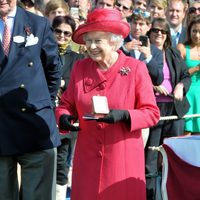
[109,158]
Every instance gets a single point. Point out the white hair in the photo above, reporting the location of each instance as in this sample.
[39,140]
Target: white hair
[116,40]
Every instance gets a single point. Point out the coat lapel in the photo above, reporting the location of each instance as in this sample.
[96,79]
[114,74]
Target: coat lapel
[170,65]
[2,54]
[16,49]
[141,57]
[3,59]
[132,53]
[93,77]
[183,35]
[18,30]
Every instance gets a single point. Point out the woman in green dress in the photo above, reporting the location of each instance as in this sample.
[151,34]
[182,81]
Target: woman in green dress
[190,51]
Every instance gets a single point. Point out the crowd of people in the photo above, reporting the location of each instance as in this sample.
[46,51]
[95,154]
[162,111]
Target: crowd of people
[141,56]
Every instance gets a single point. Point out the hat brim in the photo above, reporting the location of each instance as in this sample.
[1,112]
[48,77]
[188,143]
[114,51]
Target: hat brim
[116,27]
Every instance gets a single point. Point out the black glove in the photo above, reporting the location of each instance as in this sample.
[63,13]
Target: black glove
[115,116]
[65,123]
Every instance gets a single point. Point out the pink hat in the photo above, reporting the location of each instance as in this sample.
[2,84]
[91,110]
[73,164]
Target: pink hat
[101,19]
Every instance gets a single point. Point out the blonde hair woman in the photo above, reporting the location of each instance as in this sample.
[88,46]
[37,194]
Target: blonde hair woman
[157,8]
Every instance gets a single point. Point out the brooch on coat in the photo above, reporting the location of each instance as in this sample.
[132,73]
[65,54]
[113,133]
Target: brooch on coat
[124,71]
[28,31]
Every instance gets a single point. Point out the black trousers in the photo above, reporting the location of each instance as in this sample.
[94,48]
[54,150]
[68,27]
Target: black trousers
[63,152]
[163,129]
[37,176]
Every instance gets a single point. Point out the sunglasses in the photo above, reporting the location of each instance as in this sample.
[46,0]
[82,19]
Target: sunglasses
[66,33]
[120,5]
[193,10]
[143,13]
[156,30]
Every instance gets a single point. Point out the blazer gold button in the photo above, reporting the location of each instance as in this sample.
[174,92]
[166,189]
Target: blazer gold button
[23,109]
[30,64]
[22,86]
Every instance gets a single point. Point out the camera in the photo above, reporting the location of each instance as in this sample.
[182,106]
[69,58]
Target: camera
[144,40]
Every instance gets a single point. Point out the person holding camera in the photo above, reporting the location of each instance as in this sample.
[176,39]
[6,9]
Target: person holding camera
[137,45]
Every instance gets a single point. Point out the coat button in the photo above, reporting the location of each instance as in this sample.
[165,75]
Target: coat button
[88,82]
[22,86]
[102,86]
[99,141]
[30,64]
[99,154]
[99,125]
[23,109]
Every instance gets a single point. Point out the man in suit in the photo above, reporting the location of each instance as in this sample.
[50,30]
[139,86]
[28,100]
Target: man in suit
[151,55]
[175,14]
[29,79]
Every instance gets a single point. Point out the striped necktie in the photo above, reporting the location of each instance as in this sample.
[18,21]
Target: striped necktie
[6,36]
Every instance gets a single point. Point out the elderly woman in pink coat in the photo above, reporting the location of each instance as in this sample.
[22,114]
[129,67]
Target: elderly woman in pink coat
[109,156]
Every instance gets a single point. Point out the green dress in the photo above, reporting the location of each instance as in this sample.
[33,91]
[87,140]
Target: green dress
[193,95]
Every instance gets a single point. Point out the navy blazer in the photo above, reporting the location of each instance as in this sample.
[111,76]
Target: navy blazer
[183,36]
[179,74]
[29,80]
[155,66]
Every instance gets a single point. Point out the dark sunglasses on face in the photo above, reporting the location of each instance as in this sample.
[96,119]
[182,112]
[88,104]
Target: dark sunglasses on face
[66,33]
[156,30]
[120,5]
[193,10]
[143,13]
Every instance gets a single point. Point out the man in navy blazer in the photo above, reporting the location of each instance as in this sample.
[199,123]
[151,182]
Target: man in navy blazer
[29,79]
[151,55]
